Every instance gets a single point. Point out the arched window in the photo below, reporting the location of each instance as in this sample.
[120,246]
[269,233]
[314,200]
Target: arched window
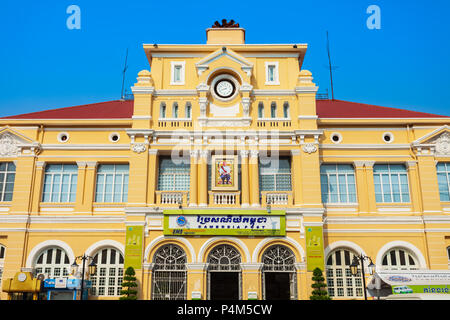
[175,110]
[162,110]
[279,276]
[53,262]
[341,283]
[286,110]
[273,110]
[399,259]
[169,273]
[107,281]
[188,110]
[224,258]
[260,110]
[224,273]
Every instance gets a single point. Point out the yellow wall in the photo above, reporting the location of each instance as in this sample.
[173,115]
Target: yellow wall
[26,223]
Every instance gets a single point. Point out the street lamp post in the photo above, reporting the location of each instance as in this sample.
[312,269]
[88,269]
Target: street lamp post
[354,269]
[92,269]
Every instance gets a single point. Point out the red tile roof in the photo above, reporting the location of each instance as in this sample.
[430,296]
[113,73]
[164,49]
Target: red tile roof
[345,109]
[119,109]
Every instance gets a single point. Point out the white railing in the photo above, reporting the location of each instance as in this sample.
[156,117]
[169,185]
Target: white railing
[277,198]
[174,198]
[224,198]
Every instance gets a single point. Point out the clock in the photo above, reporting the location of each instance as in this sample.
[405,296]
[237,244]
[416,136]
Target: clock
[224,88]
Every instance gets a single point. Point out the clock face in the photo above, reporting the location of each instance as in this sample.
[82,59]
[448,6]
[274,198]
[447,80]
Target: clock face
[224,88]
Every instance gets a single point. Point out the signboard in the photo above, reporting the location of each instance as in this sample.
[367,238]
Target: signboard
[133,247]
[442,289]
[230,222]
[224,172]
[60,283]
[417,281]
[314,248]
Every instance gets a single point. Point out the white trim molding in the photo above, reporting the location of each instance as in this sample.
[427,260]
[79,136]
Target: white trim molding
[48,244]
[105,244]
[401,244]
[263,243]
[155,242]
[343,244]
[217,240]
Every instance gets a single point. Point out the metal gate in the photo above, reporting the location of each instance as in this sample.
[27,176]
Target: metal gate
[169,273]
[280,259]
[224,258]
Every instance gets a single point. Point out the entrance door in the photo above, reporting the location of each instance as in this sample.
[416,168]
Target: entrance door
[224,285]
[278,285]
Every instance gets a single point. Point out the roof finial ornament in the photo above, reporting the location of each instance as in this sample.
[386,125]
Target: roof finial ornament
[225,24]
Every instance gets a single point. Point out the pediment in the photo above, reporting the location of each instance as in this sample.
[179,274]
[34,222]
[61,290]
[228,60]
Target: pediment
[438,139]
[229,54]
[12,142]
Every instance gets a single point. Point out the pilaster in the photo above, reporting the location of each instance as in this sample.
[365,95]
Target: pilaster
[193,189]
[203,178]
[245,189]
[251,279]
[431,201]
[196,281]
[152,175]
[254,178]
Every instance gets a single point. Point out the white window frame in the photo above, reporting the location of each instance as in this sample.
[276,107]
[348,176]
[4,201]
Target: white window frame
[333,279]
[397,265]
[447,175]
[44,266]
[338,184]
[175,64]
[276,79]
[101,280]
[115,173]
[390,175]
[7,172]
[72,175]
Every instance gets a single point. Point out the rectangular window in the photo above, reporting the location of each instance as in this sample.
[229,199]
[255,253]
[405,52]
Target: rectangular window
[337,183]
[60,183]
[443,174]
[391,183]
[173,176]
[7,176]
[273,110]
[177,72]
[112,183]
[260,110]
[275,174]
[272,73]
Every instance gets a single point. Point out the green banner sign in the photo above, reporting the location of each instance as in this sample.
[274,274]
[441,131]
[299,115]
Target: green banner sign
[224,222]
[314,248]
[442,289]
[133,247]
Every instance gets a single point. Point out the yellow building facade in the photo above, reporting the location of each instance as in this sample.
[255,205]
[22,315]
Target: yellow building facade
[225,177]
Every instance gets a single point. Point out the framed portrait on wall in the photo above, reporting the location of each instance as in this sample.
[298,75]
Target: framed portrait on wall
[224,172]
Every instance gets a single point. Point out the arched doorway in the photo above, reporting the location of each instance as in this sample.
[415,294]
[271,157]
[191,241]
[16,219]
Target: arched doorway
[169,273]
[224,273]
[279,278]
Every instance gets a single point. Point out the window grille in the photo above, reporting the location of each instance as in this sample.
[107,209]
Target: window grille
[173,177]
[169,273]
[275,175]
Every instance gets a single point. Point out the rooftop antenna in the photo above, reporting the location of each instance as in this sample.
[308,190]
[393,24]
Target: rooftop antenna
[123,76]
[331,67]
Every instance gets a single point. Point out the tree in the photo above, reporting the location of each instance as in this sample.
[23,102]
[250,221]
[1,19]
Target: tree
[319,292]
[129,282]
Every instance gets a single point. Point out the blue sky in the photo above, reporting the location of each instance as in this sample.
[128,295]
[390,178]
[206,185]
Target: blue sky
[44,65]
